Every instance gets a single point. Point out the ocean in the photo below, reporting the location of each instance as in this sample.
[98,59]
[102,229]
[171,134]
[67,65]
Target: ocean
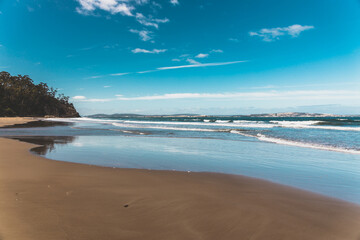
[318,154]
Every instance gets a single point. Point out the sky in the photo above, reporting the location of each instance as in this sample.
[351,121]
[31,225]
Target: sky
[188,56]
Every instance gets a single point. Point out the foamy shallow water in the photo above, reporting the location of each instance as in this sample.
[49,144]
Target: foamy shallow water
[331,134]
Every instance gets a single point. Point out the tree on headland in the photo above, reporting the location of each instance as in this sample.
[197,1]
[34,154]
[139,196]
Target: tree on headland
[19,96]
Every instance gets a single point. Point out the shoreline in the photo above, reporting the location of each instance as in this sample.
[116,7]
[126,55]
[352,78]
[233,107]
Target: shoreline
[9,121]
[36,150]
[47,199]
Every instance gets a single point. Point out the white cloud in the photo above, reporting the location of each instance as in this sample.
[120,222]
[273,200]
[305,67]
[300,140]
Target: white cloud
[192,64]
[174,2]
[144,35]
[269,95]
[150,21]
[148,71]
[112,6]
[296,29]
[84,99]
[139,50]
[92,77]
[271,34]
[192,61]
[79,97]
[202,55]
[118,74]
[216,51]
[262,96]
[175,60]
[102,76]
[98,100]
[156,5]
[200,65]
[140,2]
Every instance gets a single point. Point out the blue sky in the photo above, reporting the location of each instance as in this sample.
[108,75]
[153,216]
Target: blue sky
[188,56]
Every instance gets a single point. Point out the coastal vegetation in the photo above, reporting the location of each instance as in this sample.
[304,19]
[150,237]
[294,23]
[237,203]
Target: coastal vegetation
[20,96]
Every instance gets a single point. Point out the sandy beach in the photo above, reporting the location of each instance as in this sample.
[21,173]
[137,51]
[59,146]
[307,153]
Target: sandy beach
[5,121]
[44,199]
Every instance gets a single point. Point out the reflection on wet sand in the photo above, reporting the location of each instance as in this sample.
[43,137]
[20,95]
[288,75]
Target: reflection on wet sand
[48,142]
[40,123]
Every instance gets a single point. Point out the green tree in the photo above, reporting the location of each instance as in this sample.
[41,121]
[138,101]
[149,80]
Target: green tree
[19,96]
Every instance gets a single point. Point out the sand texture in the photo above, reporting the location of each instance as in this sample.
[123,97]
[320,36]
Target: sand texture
[5,121]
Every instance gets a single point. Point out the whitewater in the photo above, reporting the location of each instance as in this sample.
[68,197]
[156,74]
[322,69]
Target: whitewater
[327,134]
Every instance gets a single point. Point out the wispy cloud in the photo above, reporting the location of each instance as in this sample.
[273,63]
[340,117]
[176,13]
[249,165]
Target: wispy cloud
[271,34]
[144,35]
[189,57]
[85,99]
[200,65]
[192,61]
[126,8]
[150,21]
[93,77]
[216,51]
[261,96]
[202,55]
[320,94]
[192,64]
[79,97]
[112,74]
[139,50]
[147,71]
[111,6]
[98,100]
[118,74]
[174,2]
[156,5]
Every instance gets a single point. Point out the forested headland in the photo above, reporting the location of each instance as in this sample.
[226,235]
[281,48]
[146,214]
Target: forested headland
[20,96]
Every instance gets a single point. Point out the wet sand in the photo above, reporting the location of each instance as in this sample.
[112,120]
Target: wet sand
[44,199]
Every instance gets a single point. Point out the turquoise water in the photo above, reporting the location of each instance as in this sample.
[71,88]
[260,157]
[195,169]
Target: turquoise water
[319,155]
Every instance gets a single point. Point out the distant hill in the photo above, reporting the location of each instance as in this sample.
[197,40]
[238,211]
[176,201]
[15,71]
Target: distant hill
[19,96]
[287,114]
[294,114]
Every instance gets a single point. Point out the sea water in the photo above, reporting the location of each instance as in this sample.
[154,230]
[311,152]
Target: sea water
[316,154]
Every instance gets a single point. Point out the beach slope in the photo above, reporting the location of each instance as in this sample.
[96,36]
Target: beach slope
[6,121]
[43,199]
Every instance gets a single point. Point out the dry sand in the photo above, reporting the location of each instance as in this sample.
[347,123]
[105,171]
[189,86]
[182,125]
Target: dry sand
[42,199]
[4,121]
